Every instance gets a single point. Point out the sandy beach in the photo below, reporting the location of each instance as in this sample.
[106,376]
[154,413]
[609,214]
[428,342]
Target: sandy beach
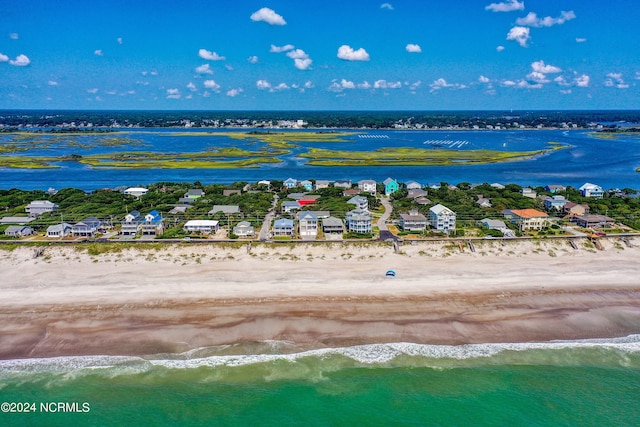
[172,298]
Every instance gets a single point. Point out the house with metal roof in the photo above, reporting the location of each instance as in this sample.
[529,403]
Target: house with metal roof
[442,218]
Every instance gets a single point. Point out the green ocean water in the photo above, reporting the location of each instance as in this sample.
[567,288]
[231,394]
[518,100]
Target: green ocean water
[586,383]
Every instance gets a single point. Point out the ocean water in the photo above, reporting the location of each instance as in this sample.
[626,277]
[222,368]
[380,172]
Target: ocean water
[570,383]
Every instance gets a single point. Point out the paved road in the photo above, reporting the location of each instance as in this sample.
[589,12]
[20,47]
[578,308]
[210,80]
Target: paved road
[266,225]
[385,234]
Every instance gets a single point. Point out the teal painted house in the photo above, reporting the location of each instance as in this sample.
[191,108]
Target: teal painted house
[390,186]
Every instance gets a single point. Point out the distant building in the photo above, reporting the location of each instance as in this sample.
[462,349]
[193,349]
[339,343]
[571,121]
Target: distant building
[289,205]
[322,184]
[225,209]
[368,186]
[291,183]
[528,192]
[88,227]
[136,191]
[555,203]
[361,203]
[592,221]
[442,218]
[230,192]
[38,207]
[413,185]
[592,190]
[390,186]
[342,183]
[555,188]
[308,185]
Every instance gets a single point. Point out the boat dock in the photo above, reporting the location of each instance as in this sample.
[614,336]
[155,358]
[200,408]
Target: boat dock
[446,143]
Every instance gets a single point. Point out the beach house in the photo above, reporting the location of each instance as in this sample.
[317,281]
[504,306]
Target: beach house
[342,183]
[289,205]
[152,224]
[291,183]
[442,218]
[591,190]
[307,225]
[367,186]
[225,209]
[244,229]
[413,185]
[58,231]
[191,196]
[529,219]
[594,221]
[88,227]
[131,224]
[308,185]
[528,192]
[332,225]
[38,207]
[361,202]
[321,183]
[282,227]
[575,209]
[555,203]
[413,221]
[390,186]
[359,221]
[204,226]
[553,188]
[18,231]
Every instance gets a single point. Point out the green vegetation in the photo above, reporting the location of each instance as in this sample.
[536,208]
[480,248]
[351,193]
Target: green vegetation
[406,156]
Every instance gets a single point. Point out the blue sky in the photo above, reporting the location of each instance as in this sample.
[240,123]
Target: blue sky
[312,55]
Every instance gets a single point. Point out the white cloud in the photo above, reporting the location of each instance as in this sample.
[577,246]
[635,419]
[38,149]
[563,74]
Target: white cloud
[20,61]
[228,67]
[173,94]
[413,48]
[211,84]
[509,6]
[637,77]
[13,36]
[111,92]
[415,85]
[142,83]
[308,84]
[387,6]
[500,48]
[269,16]
[279,49]
[92,90]
[383,84]
[519,34]
[347,84]
[119,40]
[580,40]
[537,77]
[192,87]
[210,56]
[3,58]
[483,79]
[252,59]
[364,85]
[98,52]
[349,54]
[234,92]
[562,81]
[206,94]
[263,84]
[281,86]
[582,81]
[442,83]
[300,59]
[532,20]
[523,84]
[204,69]
[52,83]
[507,83]
[615,79]
[541,67]
[565,91]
